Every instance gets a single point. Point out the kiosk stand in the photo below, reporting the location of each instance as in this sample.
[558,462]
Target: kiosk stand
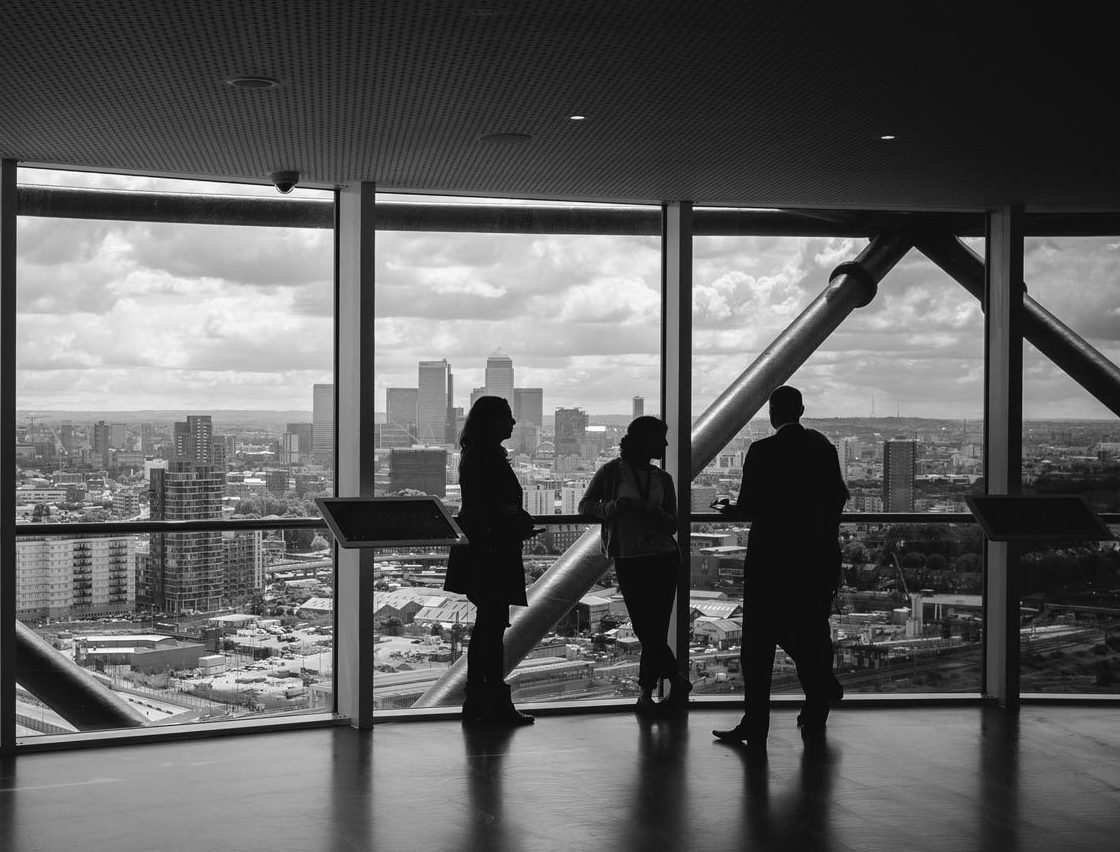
[372,522]
[361,525]
[1038,518]
[1007,522]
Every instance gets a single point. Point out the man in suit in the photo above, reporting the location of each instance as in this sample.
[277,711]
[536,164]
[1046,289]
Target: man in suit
[793,493]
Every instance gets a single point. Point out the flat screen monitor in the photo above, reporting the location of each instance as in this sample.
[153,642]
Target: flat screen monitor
[389,521]
[1038,518]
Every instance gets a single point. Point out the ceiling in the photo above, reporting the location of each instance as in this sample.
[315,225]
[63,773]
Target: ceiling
[767,104]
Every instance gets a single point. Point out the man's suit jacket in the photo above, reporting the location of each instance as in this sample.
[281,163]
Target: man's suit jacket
[793,492]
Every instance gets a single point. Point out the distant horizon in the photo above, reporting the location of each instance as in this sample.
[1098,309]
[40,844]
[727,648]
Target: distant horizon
[172,413]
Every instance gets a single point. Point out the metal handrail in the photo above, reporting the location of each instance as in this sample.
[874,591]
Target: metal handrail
[127,527]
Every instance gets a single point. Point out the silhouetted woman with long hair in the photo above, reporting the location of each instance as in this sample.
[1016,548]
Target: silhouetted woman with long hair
[637,504]
[490,570]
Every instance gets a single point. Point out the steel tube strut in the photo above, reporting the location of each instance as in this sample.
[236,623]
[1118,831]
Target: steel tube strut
[68,689]
[852,285]
[1053,338]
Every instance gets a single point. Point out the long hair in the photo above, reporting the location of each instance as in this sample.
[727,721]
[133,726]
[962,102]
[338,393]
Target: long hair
[479,426]
[639,429]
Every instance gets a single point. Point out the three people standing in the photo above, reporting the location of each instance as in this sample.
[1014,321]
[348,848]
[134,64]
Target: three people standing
[637,504]
[792,492]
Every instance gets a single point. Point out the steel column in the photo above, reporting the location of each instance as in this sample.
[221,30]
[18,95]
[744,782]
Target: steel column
[8,652]
[354,446]
[1053,338]
[676,391]
[1003,446]
[852,285]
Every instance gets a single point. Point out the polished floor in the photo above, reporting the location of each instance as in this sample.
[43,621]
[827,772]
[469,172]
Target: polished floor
[883,779]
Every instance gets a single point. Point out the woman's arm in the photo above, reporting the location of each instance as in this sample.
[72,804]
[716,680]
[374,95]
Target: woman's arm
[665,515]
[597,501]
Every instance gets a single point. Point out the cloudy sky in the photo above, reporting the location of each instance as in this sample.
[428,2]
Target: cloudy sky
[136,316]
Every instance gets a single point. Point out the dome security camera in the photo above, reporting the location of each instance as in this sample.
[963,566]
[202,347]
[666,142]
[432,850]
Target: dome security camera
[284,181]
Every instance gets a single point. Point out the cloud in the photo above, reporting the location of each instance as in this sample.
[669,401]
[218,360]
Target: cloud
[261,257]
[137,315]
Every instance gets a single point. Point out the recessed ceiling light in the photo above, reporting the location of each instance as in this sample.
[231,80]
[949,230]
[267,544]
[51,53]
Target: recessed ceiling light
[252,82]
[578,117]
[505,138]
[886,138]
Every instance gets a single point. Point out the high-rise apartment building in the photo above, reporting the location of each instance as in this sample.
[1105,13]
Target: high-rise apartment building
[848,452]
[147,442]
[528,406]
[242,564]
[570,495]
[433,408]
[499,376]
[302,432]
[187,568]
[422,469]
[571,429]
[322,423]
[74,577]
[900,466]
[538,501]
[67,437]
[194,439]
[288,449]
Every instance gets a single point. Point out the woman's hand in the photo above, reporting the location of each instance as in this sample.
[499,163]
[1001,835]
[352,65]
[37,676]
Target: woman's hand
[626,504]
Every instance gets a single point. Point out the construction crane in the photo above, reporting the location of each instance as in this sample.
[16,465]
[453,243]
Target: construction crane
[889,548]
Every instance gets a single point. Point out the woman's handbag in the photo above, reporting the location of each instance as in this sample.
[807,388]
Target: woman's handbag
[460,577]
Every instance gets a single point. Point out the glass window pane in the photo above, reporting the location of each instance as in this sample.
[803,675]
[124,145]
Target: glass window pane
[566,327]
[897,388]
[167,371]
[1071,445]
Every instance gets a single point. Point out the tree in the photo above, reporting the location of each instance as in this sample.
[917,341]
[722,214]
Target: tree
[299,541]
[855,553]
[392,626]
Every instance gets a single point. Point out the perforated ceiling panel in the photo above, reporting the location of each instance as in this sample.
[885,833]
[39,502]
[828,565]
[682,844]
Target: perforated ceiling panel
[768,104]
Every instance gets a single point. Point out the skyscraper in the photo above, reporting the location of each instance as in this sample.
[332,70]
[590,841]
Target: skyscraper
[571,427]
[499,376]
[637,407]
[431,401]
[900,466]
[400,410]
[528,406]
[322,422]
[100,441]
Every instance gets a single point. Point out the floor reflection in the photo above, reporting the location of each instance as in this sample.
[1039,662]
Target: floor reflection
[791,814]
[657,817]
[486,750]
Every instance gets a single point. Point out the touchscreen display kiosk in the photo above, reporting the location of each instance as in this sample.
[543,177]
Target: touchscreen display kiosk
[1038,518]
[389,521]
